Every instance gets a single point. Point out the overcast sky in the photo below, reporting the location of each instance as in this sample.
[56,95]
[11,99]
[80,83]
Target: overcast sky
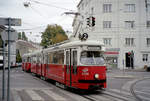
[39,14]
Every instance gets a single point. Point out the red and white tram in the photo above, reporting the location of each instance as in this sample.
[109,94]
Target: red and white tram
[77,64]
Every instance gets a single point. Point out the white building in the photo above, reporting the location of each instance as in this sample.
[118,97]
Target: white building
[123,26]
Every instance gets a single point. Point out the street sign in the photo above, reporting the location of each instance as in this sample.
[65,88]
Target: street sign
[13,35]
[13,21]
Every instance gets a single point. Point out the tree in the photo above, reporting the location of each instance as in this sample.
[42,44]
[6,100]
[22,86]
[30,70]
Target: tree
[18,57]
[53,34]
[22,36]
[19,35]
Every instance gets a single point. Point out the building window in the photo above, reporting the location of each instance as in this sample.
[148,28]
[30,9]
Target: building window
[129,7]
[92,10]
[148,24]
[107,41]
[148,8]
[129,24]
[145,57]
[106,24]
[129,41]
[82,6]
[148,42]
[107,8]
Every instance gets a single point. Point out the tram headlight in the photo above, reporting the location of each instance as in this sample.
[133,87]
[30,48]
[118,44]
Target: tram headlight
[96,76]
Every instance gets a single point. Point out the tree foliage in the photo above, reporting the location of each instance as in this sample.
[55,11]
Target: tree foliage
[53,34]
[18,57]
[22,36]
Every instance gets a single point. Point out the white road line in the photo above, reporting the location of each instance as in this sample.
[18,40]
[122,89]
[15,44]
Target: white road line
[34,96]
[54,95]
[144,98]
[101,98]
[74,96]
[121,92]
[27,88]
[118,96]
[16,95]
[142,92]
[112,98]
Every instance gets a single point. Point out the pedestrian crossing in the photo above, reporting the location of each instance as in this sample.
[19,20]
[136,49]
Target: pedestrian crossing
[49,94]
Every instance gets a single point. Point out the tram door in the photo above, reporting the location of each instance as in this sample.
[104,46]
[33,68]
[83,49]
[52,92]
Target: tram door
[71,66]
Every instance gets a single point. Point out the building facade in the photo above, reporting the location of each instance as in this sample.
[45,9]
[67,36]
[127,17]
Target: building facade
[123,26]
[12,49]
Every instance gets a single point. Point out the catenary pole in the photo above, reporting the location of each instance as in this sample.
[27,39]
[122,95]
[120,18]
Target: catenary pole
[8,82]
[3,85]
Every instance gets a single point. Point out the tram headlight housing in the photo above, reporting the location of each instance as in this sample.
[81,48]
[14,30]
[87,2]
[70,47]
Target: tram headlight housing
[96,76]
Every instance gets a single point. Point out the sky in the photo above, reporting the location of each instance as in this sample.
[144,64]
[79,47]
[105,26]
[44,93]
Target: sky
[39,14]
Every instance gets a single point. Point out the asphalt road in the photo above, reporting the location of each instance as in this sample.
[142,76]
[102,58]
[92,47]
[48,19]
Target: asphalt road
[27,87]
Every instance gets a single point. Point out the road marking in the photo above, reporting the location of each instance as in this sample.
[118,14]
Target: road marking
[144,98]
[121,92]
[142,92]
[16,95]
[54,95]
[118,96]
[127,85]
[34,96]
[101,98]
[74,96]
[27,88]
[112,98]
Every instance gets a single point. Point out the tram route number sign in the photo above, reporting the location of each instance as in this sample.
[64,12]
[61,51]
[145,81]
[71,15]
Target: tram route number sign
[13,21]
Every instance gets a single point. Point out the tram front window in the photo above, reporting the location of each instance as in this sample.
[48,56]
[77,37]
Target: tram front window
[92,58]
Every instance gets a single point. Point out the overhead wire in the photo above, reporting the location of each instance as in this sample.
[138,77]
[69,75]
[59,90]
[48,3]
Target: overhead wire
[50,5]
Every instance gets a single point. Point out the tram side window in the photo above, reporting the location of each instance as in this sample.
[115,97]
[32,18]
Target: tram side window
[56,57]
[60,57]
[67,58]
[28,59]
[46,59]
[39,59]
[75,62]
[34,59]
[67,61]
[50,58]
[75,58]
[31,60]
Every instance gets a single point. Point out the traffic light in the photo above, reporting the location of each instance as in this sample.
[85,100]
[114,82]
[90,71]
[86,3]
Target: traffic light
[93,21]
[88,21]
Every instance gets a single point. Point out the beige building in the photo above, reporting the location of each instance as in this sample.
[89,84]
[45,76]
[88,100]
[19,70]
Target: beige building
[123,26]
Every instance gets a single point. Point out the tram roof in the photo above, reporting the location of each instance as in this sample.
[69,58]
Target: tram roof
[82,43]
[71,44]
[76,44]
[33,53]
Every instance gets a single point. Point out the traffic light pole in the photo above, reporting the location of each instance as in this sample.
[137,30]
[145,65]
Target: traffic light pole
[8,82]
[3,85]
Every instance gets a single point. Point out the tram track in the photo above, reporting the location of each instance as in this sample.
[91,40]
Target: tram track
[88,96]
[132,90]
[100,93]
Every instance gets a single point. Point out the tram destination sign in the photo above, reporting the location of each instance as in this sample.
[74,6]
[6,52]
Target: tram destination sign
[94,47]
[13,21]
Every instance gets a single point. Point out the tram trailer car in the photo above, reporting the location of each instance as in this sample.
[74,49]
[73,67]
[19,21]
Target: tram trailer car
[78,64]
[26,63]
